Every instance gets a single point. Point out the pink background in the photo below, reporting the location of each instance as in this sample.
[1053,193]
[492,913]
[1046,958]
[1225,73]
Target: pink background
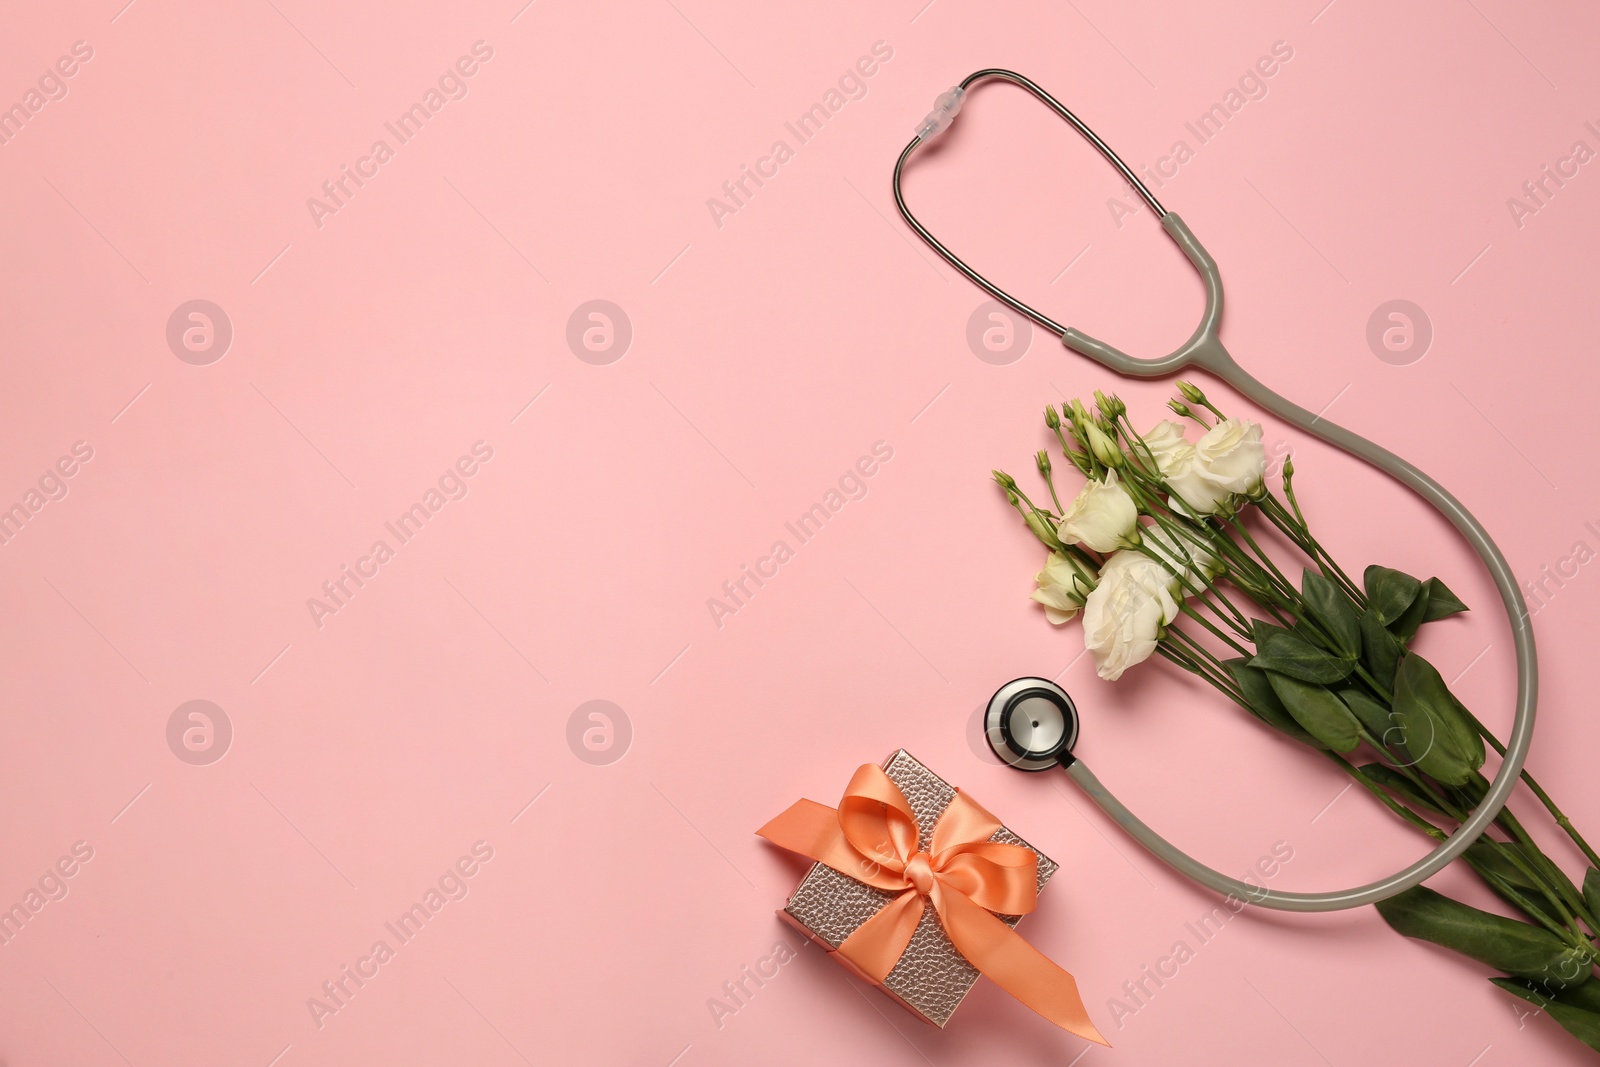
[768,353]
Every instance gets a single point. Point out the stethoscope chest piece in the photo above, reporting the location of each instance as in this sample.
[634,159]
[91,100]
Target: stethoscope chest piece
[1032,724]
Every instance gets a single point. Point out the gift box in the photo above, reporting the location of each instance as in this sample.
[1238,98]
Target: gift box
[898,880]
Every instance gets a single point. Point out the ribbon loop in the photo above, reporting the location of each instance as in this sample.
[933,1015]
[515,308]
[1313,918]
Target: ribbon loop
[873,837]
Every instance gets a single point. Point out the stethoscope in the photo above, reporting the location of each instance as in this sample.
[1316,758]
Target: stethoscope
[1032,724]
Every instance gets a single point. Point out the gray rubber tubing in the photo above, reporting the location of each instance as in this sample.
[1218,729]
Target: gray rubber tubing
[1205,350]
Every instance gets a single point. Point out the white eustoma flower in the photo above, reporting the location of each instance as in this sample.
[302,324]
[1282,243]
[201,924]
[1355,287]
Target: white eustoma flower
[1179,465]
[1063,585]
[1102,516]
[1193,487]
[1232,455]
[1128,611]
[1167,444]
[1228,459]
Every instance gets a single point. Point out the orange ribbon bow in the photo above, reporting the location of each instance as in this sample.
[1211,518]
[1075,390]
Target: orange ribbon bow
[873,838]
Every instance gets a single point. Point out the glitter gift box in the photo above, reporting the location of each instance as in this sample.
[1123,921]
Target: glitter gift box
[931,977]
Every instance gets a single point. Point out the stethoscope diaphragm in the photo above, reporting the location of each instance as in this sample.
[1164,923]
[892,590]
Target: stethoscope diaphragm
[1031,724]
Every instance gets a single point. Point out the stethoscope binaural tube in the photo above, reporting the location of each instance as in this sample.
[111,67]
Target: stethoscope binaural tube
[1204,349]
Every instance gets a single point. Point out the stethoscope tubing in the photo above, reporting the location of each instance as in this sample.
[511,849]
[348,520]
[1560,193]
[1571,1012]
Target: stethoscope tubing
[1205,350]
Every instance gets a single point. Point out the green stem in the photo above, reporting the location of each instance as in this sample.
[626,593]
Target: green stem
[1183,658]
[1243,565]
[1552,874]
[1438,834]
[1412,775]
[1244,532]
[1184,607]
[1077,457]
[1566,933]
[1288,491]
[1079,553]
[1454,806]
[1296,530]
[1036,509]
[1233,619]
[1390,802]
[1196,649]
[1049,480]
[1544,798]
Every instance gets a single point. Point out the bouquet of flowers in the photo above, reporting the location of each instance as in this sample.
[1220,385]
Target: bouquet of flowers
[1159,552]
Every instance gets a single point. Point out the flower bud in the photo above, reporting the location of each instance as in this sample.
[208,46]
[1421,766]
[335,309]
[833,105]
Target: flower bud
[1079,414]
[1041,529]
[1008,483]
[1288,467]
[1042,459]
[1180,407]
[1111,407]
[1051,419]
[1191,393]
[1104,448]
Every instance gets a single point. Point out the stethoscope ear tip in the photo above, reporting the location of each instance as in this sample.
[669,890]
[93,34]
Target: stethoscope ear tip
[1031,724]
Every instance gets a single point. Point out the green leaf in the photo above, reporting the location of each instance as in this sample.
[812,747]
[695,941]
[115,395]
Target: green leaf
[1499,857]
[1583,993]
[1288,653]
[1429,724]
[1369,712]
[1389,592]
[1577,1009]
[1400,786]
[1417,737]
[1460,720]
[1591,890]
[1322,714]
[1380,649]
[1496,860]
[1418,678]
[1518,948]
[1331,608]
[1410,620]
[1442,603]
[1264,703]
